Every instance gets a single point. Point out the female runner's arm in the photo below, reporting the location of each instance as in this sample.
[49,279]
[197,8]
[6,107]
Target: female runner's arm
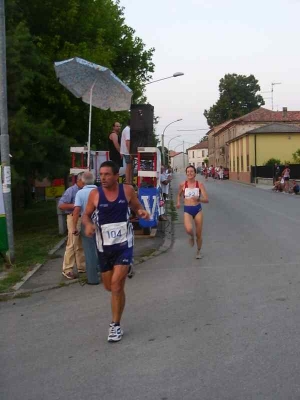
[179,194]
[204,195]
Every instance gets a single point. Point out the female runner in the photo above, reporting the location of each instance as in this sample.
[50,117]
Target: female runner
[194,194]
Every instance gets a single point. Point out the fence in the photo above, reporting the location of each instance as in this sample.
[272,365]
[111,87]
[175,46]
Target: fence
[265,171]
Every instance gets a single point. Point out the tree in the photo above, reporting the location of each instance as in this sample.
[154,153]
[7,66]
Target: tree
[204,139]
[272,161]
[44,118]
[296,156]
[238,96]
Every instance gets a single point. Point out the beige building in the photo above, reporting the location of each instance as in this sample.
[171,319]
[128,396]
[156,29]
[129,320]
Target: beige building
[198,153]
[178,160]
[222,135]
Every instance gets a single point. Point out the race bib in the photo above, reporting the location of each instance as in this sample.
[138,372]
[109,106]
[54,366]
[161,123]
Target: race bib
[191,192]
[115,233]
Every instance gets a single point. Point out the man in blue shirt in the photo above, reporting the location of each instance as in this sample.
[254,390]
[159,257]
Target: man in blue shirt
[89,244]
[74,250]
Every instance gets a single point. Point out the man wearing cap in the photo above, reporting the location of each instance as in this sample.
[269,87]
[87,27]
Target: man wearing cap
[74,250]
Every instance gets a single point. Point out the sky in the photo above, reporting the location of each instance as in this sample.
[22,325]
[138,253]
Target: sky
[208,39]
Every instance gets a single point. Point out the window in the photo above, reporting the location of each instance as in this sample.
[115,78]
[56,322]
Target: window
[242,163]
[193,154]
[248,166]
[233,164]
[203,153]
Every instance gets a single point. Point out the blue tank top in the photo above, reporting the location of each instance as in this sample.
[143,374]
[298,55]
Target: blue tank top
[113,230]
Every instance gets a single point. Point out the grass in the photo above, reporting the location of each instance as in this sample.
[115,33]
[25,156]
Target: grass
[172,211]
[35,233]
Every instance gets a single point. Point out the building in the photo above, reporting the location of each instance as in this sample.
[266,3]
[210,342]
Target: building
[198,153]
[219,138]
[179,161]
[217,151]
[255,147]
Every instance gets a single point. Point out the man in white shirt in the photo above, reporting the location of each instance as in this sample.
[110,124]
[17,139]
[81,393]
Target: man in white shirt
[165,179]
[125,152]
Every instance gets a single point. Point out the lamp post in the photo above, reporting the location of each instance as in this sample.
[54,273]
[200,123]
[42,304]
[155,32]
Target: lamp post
[169,147]
[163,139]
[175,75]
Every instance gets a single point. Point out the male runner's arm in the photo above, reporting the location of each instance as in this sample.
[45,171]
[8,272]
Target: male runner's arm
[134,203]
[91,206]
[204,195]
[179,194]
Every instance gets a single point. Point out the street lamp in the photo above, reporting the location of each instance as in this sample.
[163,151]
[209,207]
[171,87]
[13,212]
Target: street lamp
[169,147]
[163,141]
[168,77]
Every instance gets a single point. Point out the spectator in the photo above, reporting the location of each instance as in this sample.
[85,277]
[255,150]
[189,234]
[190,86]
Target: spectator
[295,188]
[165,180]
[114,144]
[221,173]
[278,185]
[89,243]
[74,250]
[125,152]
[276,173]
[286,176]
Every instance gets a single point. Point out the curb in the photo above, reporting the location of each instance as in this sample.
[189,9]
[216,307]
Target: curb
[166,245]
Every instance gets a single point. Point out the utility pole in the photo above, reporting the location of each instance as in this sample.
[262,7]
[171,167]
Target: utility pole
[4,137]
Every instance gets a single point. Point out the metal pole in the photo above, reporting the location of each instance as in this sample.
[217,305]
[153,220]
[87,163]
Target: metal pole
[5,160]
[90,126]
[169,147]
[163,148]
[163,141]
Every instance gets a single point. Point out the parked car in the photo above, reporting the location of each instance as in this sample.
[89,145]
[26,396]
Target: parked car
[226,173]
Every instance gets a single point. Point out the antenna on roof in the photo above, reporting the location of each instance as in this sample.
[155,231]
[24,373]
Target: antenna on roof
[272,91]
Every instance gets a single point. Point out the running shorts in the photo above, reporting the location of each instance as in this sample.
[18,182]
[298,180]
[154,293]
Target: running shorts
[107,260]
[193,210]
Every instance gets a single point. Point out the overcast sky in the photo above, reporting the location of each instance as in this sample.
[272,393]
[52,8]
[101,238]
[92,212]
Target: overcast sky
[206,40]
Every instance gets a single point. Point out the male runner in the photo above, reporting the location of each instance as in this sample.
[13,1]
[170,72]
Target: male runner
[114,236]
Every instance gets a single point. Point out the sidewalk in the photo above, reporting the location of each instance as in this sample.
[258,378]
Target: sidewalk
[49,275]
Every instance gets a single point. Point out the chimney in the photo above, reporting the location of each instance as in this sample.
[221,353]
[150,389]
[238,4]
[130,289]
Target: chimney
[284,112]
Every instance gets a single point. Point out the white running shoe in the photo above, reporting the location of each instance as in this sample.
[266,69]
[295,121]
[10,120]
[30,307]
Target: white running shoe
[115,333]
[198,255]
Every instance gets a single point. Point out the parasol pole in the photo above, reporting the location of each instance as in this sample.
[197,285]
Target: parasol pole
[90,126]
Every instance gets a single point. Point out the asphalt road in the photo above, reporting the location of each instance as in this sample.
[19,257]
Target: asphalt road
[224,327]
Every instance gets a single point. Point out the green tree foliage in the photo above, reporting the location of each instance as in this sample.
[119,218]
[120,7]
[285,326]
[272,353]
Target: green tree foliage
[272,161]
[296,156]
[44,118]
[204,139]
[238,96]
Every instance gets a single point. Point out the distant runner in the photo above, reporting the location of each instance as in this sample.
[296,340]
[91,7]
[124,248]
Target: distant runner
[114,236]
[194,194]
